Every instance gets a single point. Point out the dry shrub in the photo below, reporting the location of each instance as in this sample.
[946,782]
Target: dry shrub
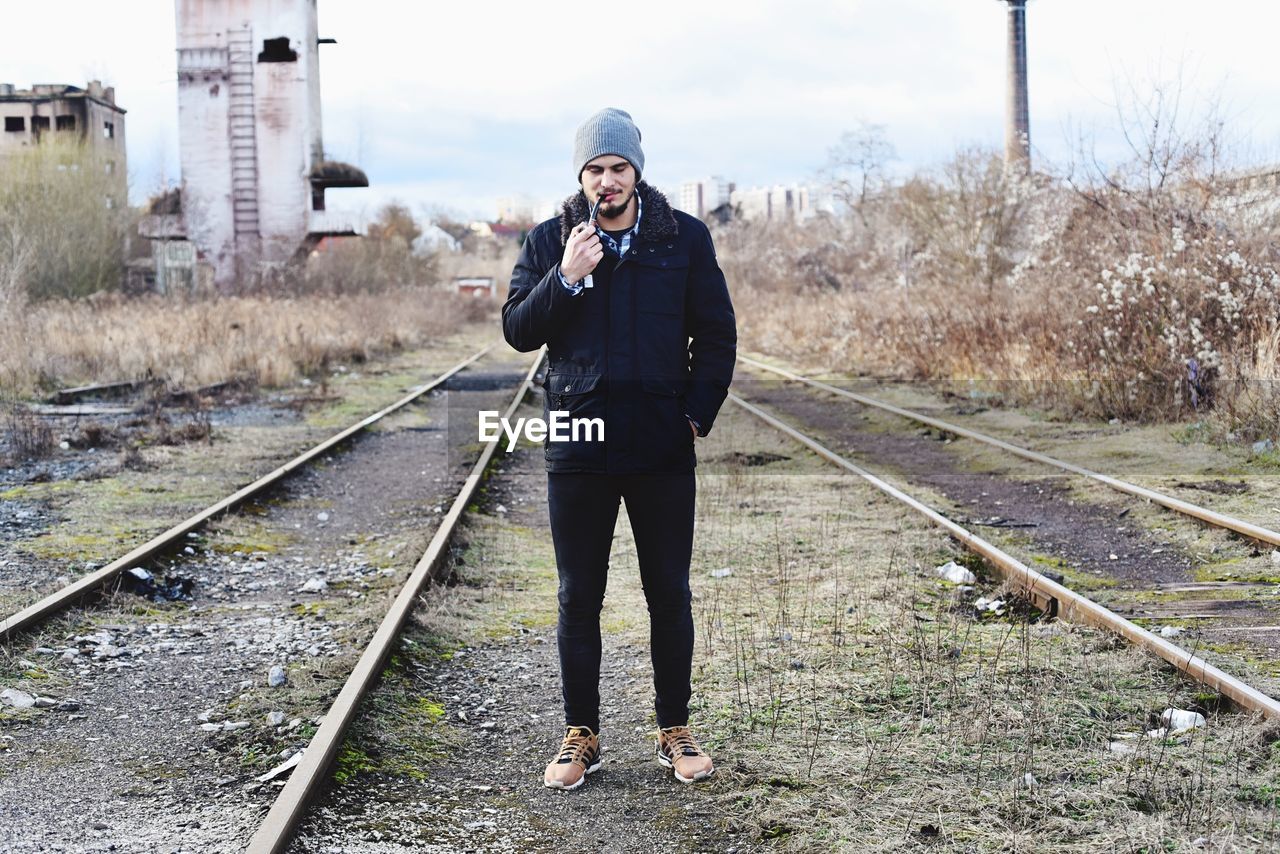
[386,258]
[63,220]
[1248,399]
[26,435]
[390,257]
[363,265]
[1148,292]
[269,340]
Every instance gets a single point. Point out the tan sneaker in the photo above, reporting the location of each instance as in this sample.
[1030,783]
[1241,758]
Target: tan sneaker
[678,751]
[579,756]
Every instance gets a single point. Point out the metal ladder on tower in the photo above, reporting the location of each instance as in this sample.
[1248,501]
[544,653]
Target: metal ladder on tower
[243,134]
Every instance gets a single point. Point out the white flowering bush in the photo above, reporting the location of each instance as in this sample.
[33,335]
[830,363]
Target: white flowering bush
[1160,328]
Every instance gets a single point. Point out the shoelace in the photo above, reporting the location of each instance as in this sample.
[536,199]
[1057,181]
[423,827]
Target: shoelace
[679,739]
[576,742]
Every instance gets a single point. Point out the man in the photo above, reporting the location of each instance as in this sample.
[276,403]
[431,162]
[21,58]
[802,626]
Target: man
[617,302]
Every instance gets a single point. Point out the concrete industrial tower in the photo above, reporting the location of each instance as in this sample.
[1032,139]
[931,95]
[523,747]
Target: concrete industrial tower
[1017,128]
[254,172]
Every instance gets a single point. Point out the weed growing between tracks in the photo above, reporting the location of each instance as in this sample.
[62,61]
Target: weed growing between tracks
[856,702]
[504,585]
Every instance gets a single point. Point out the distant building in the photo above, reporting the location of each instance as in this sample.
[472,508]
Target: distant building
[702,197]
[812,201]
[476,286]
[782,202]
[254,170]
[525,210]
[497,230]
[518,210]
[753,203]
[435,239]
[56,110]
[505,231]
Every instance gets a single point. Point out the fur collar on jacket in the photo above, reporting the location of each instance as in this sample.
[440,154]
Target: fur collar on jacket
[657,222]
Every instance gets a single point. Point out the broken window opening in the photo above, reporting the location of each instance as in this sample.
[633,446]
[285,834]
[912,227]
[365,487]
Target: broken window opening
[108,130]
[317,198]
[110,167]
[39,124]
[15,124]
[277,50]
[64,122]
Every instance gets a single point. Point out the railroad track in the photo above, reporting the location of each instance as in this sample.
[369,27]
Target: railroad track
[1050,596]
[315,758]
[1186,508]
[1222,606]
[275,831]
[277,828]
[168,540]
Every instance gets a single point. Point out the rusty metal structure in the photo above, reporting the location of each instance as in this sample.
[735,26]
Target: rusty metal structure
[254,169]
[1017,130]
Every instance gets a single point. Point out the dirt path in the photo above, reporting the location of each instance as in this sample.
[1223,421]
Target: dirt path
[480,788]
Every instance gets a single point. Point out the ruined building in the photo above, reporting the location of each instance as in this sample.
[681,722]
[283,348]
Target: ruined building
[58,111]
[254,171]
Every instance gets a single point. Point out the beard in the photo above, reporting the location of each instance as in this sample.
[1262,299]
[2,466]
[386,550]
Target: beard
[614,209]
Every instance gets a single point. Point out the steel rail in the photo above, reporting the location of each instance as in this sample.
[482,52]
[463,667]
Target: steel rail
[277,828]
[1065,602]
[79,588]
[1221,520]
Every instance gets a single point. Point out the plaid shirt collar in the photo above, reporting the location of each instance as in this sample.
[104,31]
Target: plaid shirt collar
[620,246]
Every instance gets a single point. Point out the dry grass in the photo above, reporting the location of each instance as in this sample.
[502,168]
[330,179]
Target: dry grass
[1109,298]
[859,704]
[260,339]
[855,703]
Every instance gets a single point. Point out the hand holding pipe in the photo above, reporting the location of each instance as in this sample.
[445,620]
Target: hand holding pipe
[582,251]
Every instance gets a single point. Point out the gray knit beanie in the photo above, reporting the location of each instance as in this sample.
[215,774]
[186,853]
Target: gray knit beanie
[610,131]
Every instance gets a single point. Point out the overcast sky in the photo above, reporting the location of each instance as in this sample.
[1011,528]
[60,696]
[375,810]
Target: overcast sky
[456,105]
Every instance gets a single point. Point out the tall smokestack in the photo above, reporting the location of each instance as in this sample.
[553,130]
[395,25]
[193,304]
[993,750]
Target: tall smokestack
[1017,126]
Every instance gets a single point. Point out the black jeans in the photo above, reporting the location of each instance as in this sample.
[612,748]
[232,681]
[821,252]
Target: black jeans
[584,510]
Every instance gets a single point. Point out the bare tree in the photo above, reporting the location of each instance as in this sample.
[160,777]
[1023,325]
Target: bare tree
[395,220]
[961,223]
[1175,160]
[856,166]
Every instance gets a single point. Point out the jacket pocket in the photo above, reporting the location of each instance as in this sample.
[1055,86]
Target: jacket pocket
[561,386]
[664,424]
[660,284]
[579,397]
[662,386]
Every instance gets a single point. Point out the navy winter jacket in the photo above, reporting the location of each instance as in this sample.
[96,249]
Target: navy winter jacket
[650,345]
